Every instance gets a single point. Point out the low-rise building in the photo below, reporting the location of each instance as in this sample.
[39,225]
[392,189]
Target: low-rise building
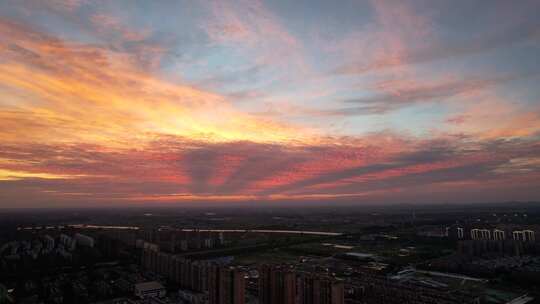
[149,289]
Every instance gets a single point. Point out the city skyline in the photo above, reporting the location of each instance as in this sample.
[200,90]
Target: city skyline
[365,102]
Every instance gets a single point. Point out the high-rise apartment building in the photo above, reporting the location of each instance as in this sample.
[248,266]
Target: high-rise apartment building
[480,234]
[315,289]
[529,235]
[460,233]
[226,285]
[277,285]
[518,236]
[499,235]
[84,240]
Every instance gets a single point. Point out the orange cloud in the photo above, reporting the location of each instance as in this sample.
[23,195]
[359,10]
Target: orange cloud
[100,96]
[491,116]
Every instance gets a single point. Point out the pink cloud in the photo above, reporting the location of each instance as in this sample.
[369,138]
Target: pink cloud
[250,25]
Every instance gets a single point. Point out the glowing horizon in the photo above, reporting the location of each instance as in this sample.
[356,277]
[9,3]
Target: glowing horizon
[219,101]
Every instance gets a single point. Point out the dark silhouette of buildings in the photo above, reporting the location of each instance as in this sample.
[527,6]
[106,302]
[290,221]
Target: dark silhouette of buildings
[226,285]
[188,274]
[277,285]
[375,289]
[317,289]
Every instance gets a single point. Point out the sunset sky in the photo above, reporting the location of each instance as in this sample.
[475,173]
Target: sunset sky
[367,102]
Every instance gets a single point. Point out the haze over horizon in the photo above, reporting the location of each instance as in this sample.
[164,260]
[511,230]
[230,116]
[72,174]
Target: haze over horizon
[361,102]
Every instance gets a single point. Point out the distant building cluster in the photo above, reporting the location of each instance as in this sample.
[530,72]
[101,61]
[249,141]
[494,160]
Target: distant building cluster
[496,234]
[504,240]
[524,235]
[62,245]
[500,235]
[175,240]
[220,284]
[374,289]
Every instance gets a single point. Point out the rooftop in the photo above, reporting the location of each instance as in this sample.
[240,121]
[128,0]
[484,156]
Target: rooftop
[148,285]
